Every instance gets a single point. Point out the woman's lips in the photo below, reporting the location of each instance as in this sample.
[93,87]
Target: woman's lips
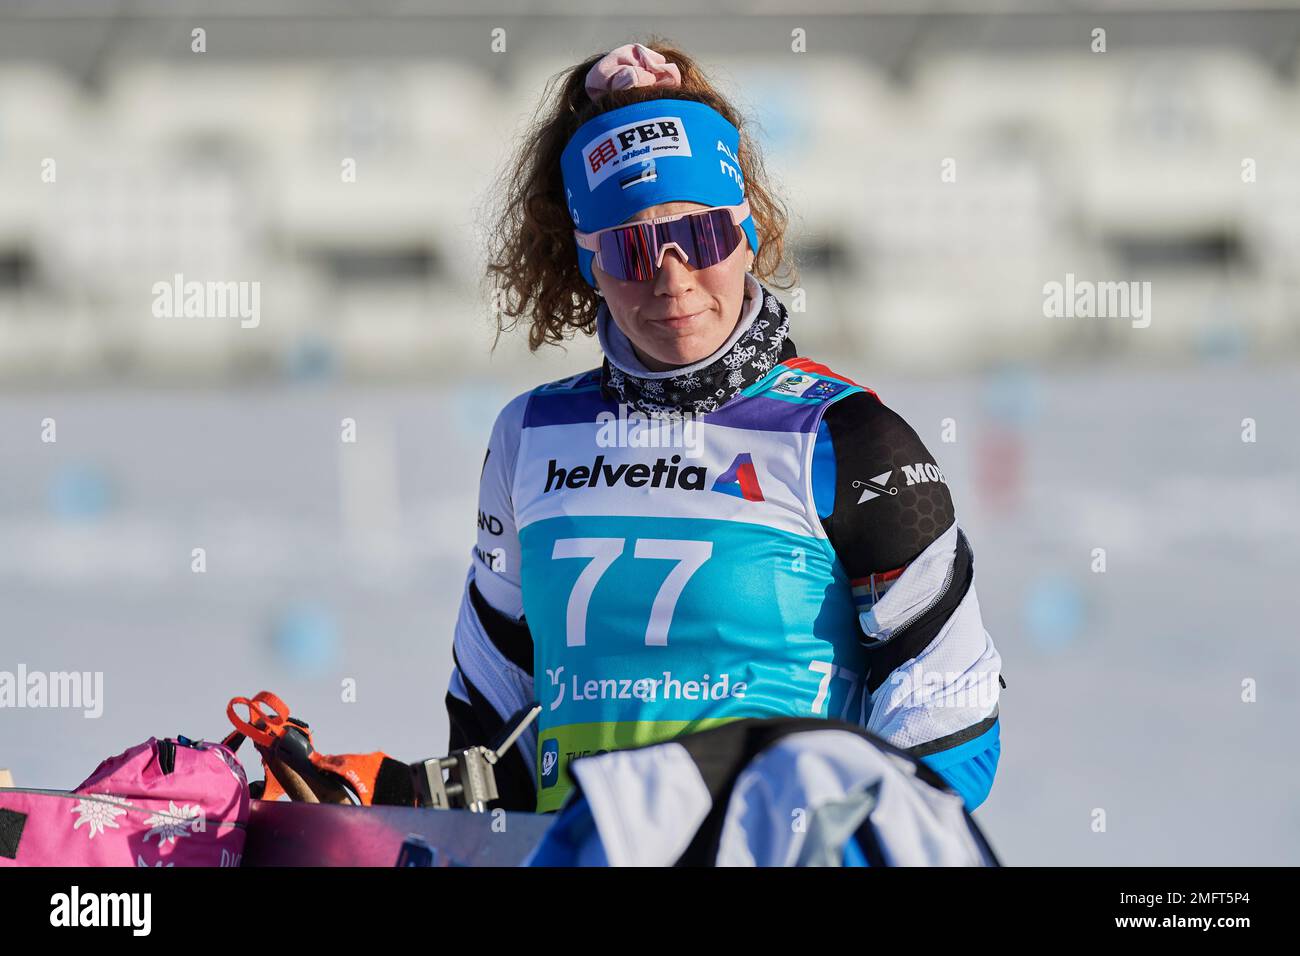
[674,322]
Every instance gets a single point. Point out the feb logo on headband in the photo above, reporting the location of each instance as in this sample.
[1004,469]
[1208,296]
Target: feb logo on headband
[633,144]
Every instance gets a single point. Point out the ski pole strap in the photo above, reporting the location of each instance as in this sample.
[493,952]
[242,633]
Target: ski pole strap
[373,778]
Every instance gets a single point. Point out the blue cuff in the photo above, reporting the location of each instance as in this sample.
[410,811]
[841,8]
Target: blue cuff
[969,767]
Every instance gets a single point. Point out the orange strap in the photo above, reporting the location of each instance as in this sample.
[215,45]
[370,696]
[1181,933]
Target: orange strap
[370,777]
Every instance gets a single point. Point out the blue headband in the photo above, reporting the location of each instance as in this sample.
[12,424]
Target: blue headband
[646,154]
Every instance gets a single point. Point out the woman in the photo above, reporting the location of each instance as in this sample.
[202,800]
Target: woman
[707,527]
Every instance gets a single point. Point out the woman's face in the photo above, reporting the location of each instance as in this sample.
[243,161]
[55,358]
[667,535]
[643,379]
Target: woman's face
[683,314]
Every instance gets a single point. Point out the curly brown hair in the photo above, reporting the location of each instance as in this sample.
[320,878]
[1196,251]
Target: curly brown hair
[532,259]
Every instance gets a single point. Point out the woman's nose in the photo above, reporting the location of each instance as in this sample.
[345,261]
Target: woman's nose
[674,273]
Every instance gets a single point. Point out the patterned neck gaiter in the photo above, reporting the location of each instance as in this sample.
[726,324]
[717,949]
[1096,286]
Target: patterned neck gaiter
[760,341]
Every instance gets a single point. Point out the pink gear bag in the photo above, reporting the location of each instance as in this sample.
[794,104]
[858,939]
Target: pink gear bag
[172,802]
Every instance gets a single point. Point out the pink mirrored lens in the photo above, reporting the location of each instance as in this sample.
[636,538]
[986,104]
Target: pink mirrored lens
[631,252]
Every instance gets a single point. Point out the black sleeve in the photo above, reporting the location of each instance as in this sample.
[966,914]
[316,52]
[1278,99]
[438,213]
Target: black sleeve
[891,503]
[477,722]
[891,499]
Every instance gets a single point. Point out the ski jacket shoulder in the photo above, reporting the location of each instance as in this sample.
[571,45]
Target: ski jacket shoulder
[880,494]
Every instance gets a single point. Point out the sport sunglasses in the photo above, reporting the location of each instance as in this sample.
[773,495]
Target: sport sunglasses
[634,251]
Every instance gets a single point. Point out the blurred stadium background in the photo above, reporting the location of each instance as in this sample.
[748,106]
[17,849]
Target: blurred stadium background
[330,561]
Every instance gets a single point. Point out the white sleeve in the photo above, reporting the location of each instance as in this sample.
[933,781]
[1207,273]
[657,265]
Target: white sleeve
[492,679]
[948,686]
[496,555]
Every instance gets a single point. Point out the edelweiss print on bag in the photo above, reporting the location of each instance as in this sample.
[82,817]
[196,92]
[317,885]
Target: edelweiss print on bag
[99,812]
[706,390]
[174,822]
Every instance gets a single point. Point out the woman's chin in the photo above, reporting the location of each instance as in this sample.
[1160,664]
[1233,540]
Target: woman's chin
[684,341]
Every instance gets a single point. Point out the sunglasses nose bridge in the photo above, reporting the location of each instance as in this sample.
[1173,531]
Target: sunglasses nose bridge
[663,249]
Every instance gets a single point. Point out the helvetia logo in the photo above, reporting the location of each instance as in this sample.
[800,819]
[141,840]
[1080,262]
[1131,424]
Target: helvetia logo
[665,473]
[740,479]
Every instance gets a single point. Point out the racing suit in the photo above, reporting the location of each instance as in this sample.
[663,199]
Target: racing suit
[797,555]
